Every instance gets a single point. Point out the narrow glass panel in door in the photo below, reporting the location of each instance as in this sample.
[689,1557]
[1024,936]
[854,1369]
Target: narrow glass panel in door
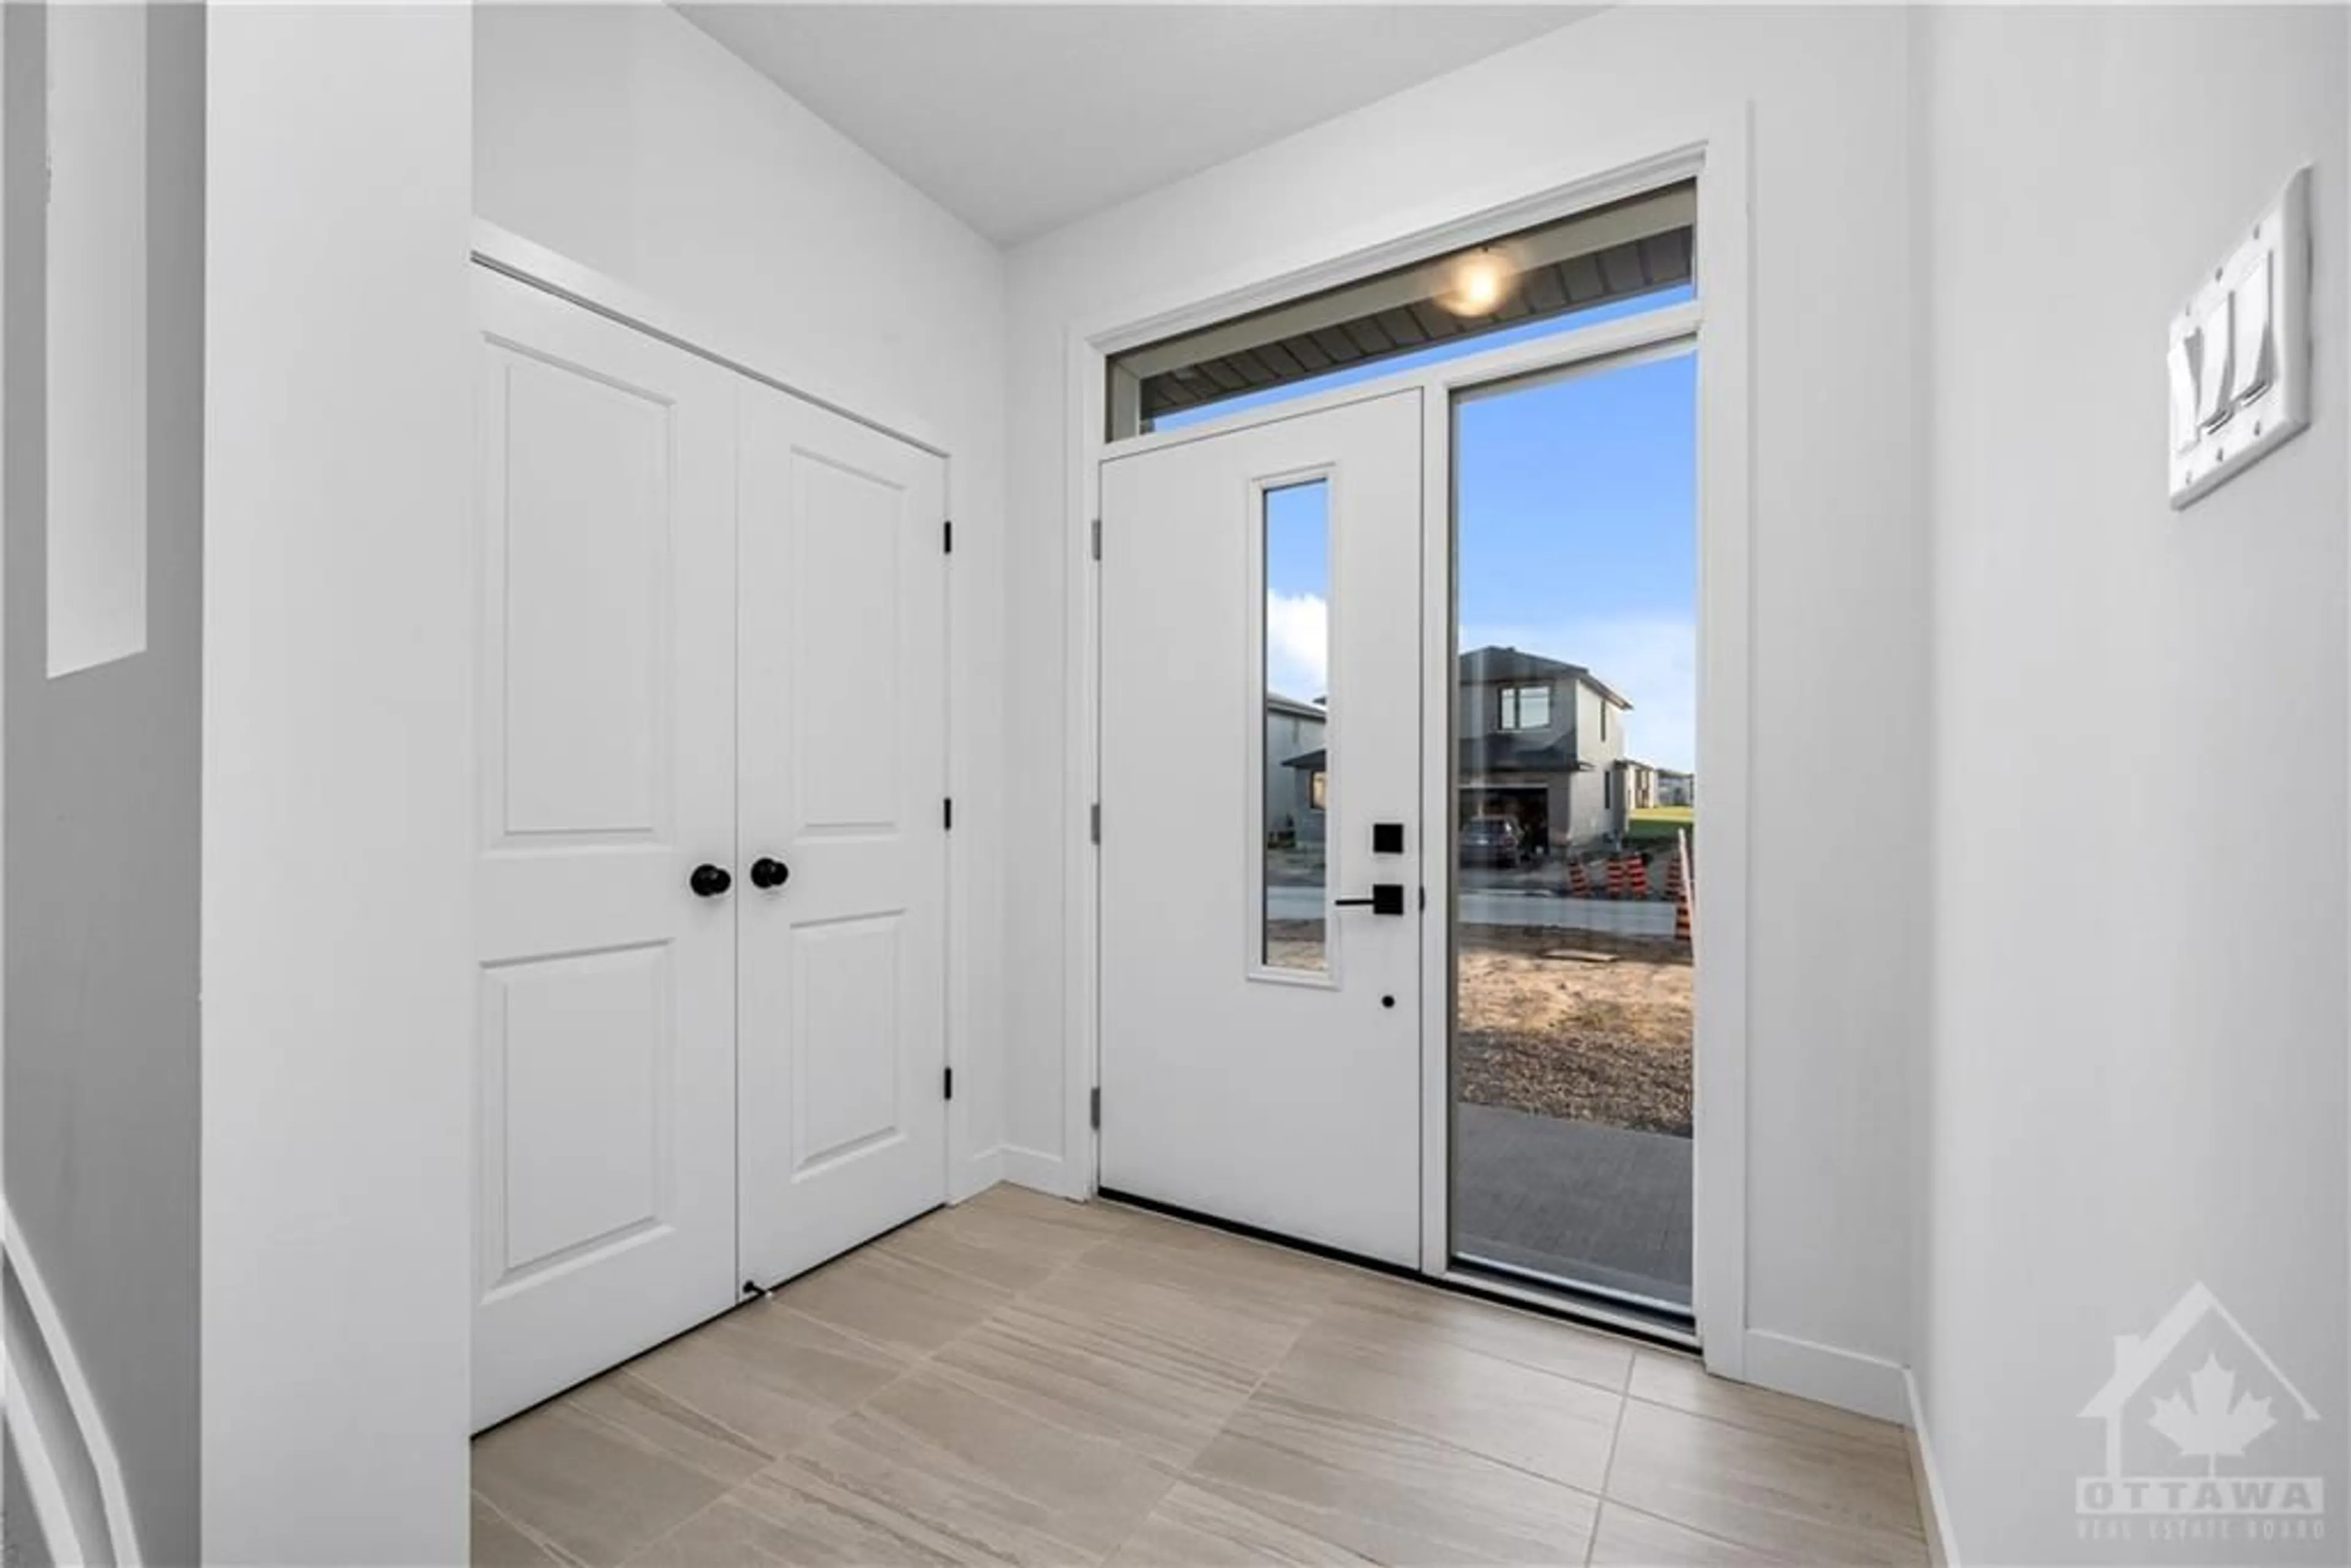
[1575,823]
[1296,631]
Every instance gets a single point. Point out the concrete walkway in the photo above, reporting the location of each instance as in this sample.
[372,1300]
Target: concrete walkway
[1575,1200]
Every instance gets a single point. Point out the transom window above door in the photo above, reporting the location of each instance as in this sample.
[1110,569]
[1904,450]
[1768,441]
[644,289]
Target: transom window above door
[1628,257]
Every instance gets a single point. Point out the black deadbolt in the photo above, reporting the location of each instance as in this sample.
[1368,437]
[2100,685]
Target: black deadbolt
[1387,838]
[709,881]
[766,873]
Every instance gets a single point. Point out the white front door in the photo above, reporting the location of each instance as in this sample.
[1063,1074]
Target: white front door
[844,783]
[1260,766]
[605,1046]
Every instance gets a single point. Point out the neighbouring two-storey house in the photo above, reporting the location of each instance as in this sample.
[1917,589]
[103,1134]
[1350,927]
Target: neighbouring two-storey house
[1295,778]
[1541,739]
[1543,742]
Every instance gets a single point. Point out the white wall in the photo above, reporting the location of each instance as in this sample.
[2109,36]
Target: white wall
[2137,1075]
[102,764]
[1840,650]
[337,1012]
[626,139]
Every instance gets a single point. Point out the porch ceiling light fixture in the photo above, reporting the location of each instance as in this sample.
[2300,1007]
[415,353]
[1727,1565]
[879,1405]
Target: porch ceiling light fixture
[1479,282]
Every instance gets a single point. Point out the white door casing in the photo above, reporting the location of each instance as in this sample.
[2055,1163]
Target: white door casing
[1284,1101]
[842,609]
[605,1052]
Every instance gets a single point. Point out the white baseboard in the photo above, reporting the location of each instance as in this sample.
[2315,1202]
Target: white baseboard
[1865,1384]
[980,1172]
[1035,1169]
[1934,1513]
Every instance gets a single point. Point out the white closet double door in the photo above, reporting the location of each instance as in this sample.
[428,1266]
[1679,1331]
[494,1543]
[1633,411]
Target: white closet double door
[710,862]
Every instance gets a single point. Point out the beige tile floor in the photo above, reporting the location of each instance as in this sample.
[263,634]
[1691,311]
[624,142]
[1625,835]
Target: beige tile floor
[1020,1379]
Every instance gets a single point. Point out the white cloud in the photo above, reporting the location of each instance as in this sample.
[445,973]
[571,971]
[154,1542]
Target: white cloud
[1297,645]
[1653,662]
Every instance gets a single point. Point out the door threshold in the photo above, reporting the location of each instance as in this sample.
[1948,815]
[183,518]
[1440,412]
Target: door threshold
[1562,1305]
[1625,1313]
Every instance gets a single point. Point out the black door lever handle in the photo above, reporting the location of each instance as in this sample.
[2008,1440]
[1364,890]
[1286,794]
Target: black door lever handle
[1387,898]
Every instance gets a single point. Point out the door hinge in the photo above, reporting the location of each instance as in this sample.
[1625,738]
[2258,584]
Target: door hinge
[947,536]
[1093,1108]
[1093,820]
[947,813]
[1098,538]
[949,1081]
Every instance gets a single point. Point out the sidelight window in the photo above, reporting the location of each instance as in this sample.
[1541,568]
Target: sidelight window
[1294,669]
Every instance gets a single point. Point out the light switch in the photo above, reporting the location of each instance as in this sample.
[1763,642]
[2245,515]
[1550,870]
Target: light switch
[2252,354]
[2214,400]
[2185,432]
[2237,351]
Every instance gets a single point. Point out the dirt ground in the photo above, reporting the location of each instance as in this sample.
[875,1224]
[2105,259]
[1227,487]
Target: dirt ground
[1561,1023]
[1571,1024]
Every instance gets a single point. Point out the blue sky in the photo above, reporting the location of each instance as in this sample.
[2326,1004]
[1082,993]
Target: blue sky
[1578,539]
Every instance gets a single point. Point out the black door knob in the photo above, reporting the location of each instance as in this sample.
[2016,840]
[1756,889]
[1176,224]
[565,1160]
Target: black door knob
[709,881]
[766,873]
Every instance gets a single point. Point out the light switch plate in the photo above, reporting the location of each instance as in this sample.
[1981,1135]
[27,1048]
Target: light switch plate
[2238,351]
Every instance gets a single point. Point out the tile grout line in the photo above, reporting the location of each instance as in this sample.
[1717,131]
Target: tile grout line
[1175,1474]
[529,1533]
[1797,1432]
[1715,1536]
[1608,1469]
[1182,1475]
[1479,1454]
[1798,1438]
[915,1362]
[1597,1497]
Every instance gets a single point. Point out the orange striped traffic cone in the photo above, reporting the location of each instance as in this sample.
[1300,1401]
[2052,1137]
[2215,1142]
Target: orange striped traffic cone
[1637,875]
[1681,919]
[1677,886]
[1615,877]
[1579,881]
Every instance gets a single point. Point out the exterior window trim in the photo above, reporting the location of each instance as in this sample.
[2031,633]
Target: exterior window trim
[1511,705]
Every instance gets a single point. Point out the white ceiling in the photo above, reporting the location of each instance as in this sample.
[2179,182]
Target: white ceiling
[1020,119]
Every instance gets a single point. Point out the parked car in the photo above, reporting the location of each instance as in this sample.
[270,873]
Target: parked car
[1493,841]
